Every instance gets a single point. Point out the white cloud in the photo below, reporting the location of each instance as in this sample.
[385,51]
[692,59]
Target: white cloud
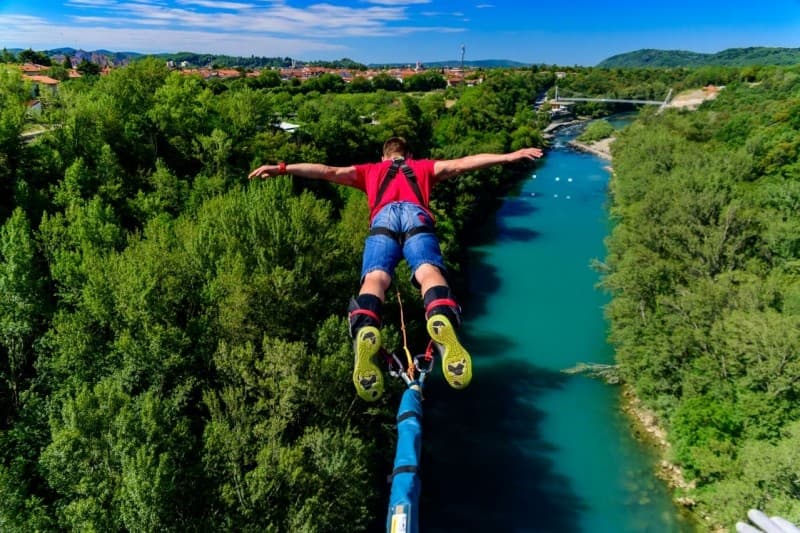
[216,4]
[317,20]
[484,6]
[320,21]
[40,35]
[91,3]
[241,28]
[398,2]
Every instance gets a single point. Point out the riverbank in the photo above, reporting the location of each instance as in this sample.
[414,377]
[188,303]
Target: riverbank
[645,427]
[601,148]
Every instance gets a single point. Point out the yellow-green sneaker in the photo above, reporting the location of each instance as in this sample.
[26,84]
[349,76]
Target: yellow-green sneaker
[367,375]
[456,362]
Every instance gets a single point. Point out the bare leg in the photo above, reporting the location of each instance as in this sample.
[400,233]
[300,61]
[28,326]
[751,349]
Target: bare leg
[429,276]
[376,282]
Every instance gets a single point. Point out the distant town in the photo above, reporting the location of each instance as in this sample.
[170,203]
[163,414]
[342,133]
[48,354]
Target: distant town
[38,74]
[71,63]
[453,75]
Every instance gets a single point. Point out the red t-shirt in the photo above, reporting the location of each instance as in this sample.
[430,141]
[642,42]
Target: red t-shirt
[370,176]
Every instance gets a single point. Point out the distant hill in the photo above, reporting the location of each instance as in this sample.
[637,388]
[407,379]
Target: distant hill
[732,57]
[100,57]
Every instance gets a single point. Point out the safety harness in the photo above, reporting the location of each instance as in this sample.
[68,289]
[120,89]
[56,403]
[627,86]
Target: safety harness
[398,165]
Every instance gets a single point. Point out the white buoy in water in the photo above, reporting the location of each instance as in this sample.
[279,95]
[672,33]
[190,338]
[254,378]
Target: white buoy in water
[569,179]
[558,179]
[569,197]
[555,196]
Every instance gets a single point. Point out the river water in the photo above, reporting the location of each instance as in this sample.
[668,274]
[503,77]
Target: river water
[527,447]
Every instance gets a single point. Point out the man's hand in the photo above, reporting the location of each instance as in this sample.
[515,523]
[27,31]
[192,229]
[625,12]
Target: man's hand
[266,171]
[527,153]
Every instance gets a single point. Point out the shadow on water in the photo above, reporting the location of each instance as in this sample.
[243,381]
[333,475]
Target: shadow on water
[491,345]
[516,207]
[478,269]
[486,281]
[489,232]
[506,233]
[483,466]
[488,235]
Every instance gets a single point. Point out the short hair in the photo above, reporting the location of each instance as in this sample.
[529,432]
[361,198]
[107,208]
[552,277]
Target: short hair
[395,145]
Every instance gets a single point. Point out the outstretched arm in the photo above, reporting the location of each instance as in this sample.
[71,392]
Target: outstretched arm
[450,168]
[316,171]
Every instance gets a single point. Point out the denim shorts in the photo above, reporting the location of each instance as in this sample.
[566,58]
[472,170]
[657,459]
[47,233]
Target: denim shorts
[382,252]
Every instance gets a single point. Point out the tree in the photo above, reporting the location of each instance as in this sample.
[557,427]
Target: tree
[386,82]
[7,57]
[12,152]
[407,120]
[338,130]
[22,309]
[181,111]
[360,84]
[596,130]
[425,81]
[37,58]
[58,72]
[26,507]
[267,79]
[88,68]
[325,83]
[114,462]
[267,460]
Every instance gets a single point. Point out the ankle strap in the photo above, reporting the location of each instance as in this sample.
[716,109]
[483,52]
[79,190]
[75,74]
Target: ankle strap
[372,314]
[449,302]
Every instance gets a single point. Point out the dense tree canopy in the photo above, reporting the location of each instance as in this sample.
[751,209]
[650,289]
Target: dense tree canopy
[703,268]
[174,349]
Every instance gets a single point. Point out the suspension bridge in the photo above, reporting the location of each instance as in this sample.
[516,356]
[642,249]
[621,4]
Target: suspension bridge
[661,103]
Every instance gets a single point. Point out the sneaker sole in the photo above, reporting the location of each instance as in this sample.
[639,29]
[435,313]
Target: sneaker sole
[456,362]
[367,375]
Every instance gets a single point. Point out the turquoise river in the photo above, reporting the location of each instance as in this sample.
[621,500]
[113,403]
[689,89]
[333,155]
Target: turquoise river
[527,447]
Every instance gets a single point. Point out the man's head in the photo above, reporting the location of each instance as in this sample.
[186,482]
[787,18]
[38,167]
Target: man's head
[395,147]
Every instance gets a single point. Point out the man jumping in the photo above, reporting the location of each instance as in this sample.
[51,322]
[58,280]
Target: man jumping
[401,226]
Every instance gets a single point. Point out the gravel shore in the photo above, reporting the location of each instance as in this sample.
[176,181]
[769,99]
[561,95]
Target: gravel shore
[601,148]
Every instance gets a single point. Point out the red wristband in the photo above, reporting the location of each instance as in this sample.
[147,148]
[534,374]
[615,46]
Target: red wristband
[281,167]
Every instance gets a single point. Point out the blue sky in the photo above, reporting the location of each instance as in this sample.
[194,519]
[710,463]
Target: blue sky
[576,32]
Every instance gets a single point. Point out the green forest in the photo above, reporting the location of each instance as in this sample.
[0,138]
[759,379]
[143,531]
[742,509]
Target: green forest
[704,268]
[731,57]
[175,354]
[173,340]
